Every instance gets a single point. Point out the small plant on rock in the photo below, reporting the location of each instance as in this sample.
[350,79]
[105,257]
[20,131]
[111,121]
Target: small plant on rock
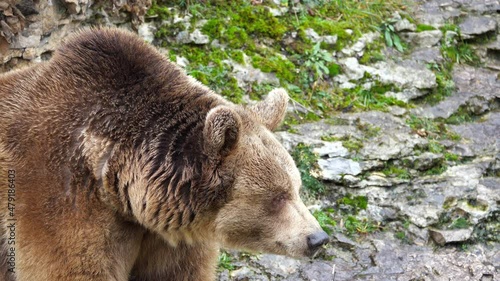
[318,60]
[306,161]
[391,37]
[225,261]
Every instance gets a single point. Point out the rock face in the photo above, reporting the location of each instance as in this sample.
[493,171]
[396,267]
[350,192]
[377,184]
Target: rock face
[432,188]
[32,30]
[450,236]
[413,78]
[477,91]
[334,169]
[423,39]
[195,37]
[473,26]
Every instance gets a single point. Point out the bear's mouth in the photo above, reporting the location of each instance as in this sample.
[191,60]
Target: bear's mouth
[313,253]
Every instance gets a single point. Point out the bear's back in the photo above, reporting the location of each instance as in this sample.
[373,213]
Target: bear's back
[105,81]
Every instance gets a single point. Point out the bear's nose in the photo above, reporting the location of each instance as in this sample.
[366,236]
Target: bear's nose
[316,240]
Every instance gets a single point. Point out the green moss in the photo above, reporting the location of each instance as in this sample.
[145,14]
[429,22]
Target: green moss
[218,79]
[352,144]
[172,56]
[169,30]
[245,28]
[401,235]
[451,157]
[282,67]
[327,27]
[424,27]
[158,10]
[357,203]
[394,171]
[334,69]
[371,57]
[433,129]
[449,27]
[235,23]
[325,220]
[373,99]
[435,147]
[237,56]
[436,170]
[488,229]
[236,37]
[459,223]
[462,115]
[214,28]
[259,21]
[257,90]
[306,161]
[231,90]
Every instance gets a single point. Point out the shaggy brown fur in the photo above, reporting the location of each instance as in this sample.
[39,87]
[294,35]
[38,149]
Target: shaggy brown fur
[126,168]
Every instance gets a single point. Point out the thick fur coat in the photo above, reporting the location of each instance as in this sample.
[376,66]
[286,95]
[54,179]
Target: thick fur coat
[125,168]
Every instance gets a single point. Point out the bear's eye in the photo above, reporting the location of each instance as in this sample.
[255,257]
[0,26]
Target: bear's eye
[278,202]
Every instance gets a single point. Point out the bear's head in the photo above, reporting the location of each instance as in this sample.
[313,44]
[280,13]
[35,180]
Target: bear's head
[264,211]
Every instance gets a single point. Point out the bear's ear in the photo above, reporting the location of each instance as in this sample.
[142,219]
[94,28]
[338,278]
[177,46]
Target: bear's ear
[272,110]
[221,132]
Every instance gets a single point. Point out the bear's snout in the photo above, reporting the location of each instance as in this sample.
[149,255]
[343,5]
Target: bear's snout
[315,241]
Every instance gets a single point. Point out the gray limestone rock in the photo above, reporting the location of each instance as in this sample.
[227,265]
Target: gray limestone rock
[403,76]
[199,38]
[477,25]
[277,266]
[389,146]
[423,39]
[344,241]
[404,25]
[450,37]
[318,270]
[352,69]
[482,138]
[331,149]
[378,180]
[290,140]
[450,236]
[247,274]
[397,111]
[407,94]
[147,32]
[332,169]
[426,160]
[312,35]
[196,37]
[315,37]
[361,44]
[476,90]
[427,55]
[330,39]
[247,74]
[30,41]
[495,45]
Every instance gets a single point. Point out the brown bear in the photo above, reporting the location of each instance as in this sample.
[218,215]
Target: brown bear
[116,165]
